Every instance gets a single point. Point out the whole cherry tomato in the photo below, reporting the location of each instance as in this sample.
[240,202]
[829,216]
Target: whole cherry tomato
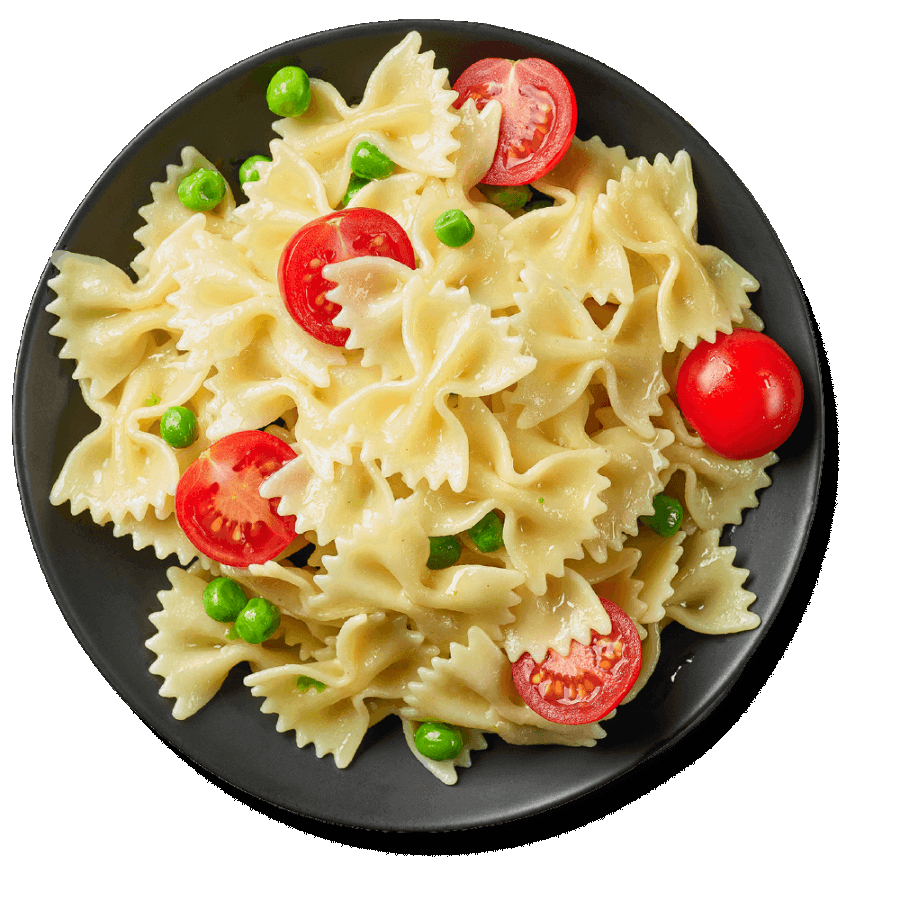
[742,394]
[218,506]
[590,682]
[341,235]
[538,119]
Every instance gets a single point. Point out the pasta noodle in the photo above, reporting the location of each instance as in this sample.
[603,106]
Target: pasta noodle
[529,371]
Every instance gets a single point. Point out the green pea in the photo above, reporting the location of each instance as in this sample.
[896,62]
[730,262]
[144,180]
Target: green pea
[202,190]
[356,182]
[437,740]
[369,162]
[487,535]
[454,228]
[248,170]
[445,551]
[178,427]
[304,683]
[257,621]
[668,514]
[223,599]
[508,197]
[288,93]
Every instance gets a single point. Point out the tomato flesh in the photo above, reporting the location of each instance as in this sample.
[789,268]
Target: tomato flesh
[742,394]
[538,119]
[341,235]
[218,506]
[589,682]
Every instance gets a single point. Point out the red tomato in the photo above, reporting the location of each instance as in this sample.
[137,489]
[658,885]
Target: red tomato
[218,505]
[538,120]
[588,683]
[742,394]
[333,238]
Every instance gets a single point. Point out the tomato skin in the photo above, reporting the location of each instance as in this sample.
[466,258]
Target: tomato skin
[742,394]
[603,687]
[538,120]
[218,497]
[341,235]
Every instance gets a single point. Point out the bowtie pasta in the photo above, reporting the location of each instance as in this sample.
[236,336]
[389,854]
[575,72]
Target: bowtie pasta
[527,373]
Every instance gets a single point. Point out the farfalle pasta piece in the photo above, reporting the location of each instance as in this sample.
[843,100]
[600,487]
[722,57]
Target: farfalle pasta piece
[707,593]
[406,111]
[652,210]
[549,509]
[569,610]
[250,391]
[398,196]
[193,652]
[477,133]
[162,533]
[716,490]
[656,569]
[332,507]
[107,321]
[484,265]
[245,403]
[373,293]
[382,566]
[288,195]
[455,347]
[166,214]
[121,468]
[572,242]
[571,350]
[222,305]
[568,346]
[632,368]
[370,656]
[566,430]
[586,168]
[633,470]
[615,579]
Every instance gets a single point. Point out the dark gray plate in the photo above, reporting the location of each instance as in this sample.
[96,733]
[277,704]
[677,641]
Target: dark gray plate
[385,791]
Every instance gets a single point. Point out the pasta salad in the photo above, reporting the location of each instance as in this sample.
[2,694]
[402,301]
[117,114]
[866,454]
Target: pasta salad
[423,420]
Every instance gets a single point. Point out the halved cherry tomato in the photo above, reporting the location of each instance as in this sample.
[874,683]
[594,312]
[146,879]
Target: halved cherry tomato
[333,238]
[538,120]
[742,394]
[588,683]
[218,506]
